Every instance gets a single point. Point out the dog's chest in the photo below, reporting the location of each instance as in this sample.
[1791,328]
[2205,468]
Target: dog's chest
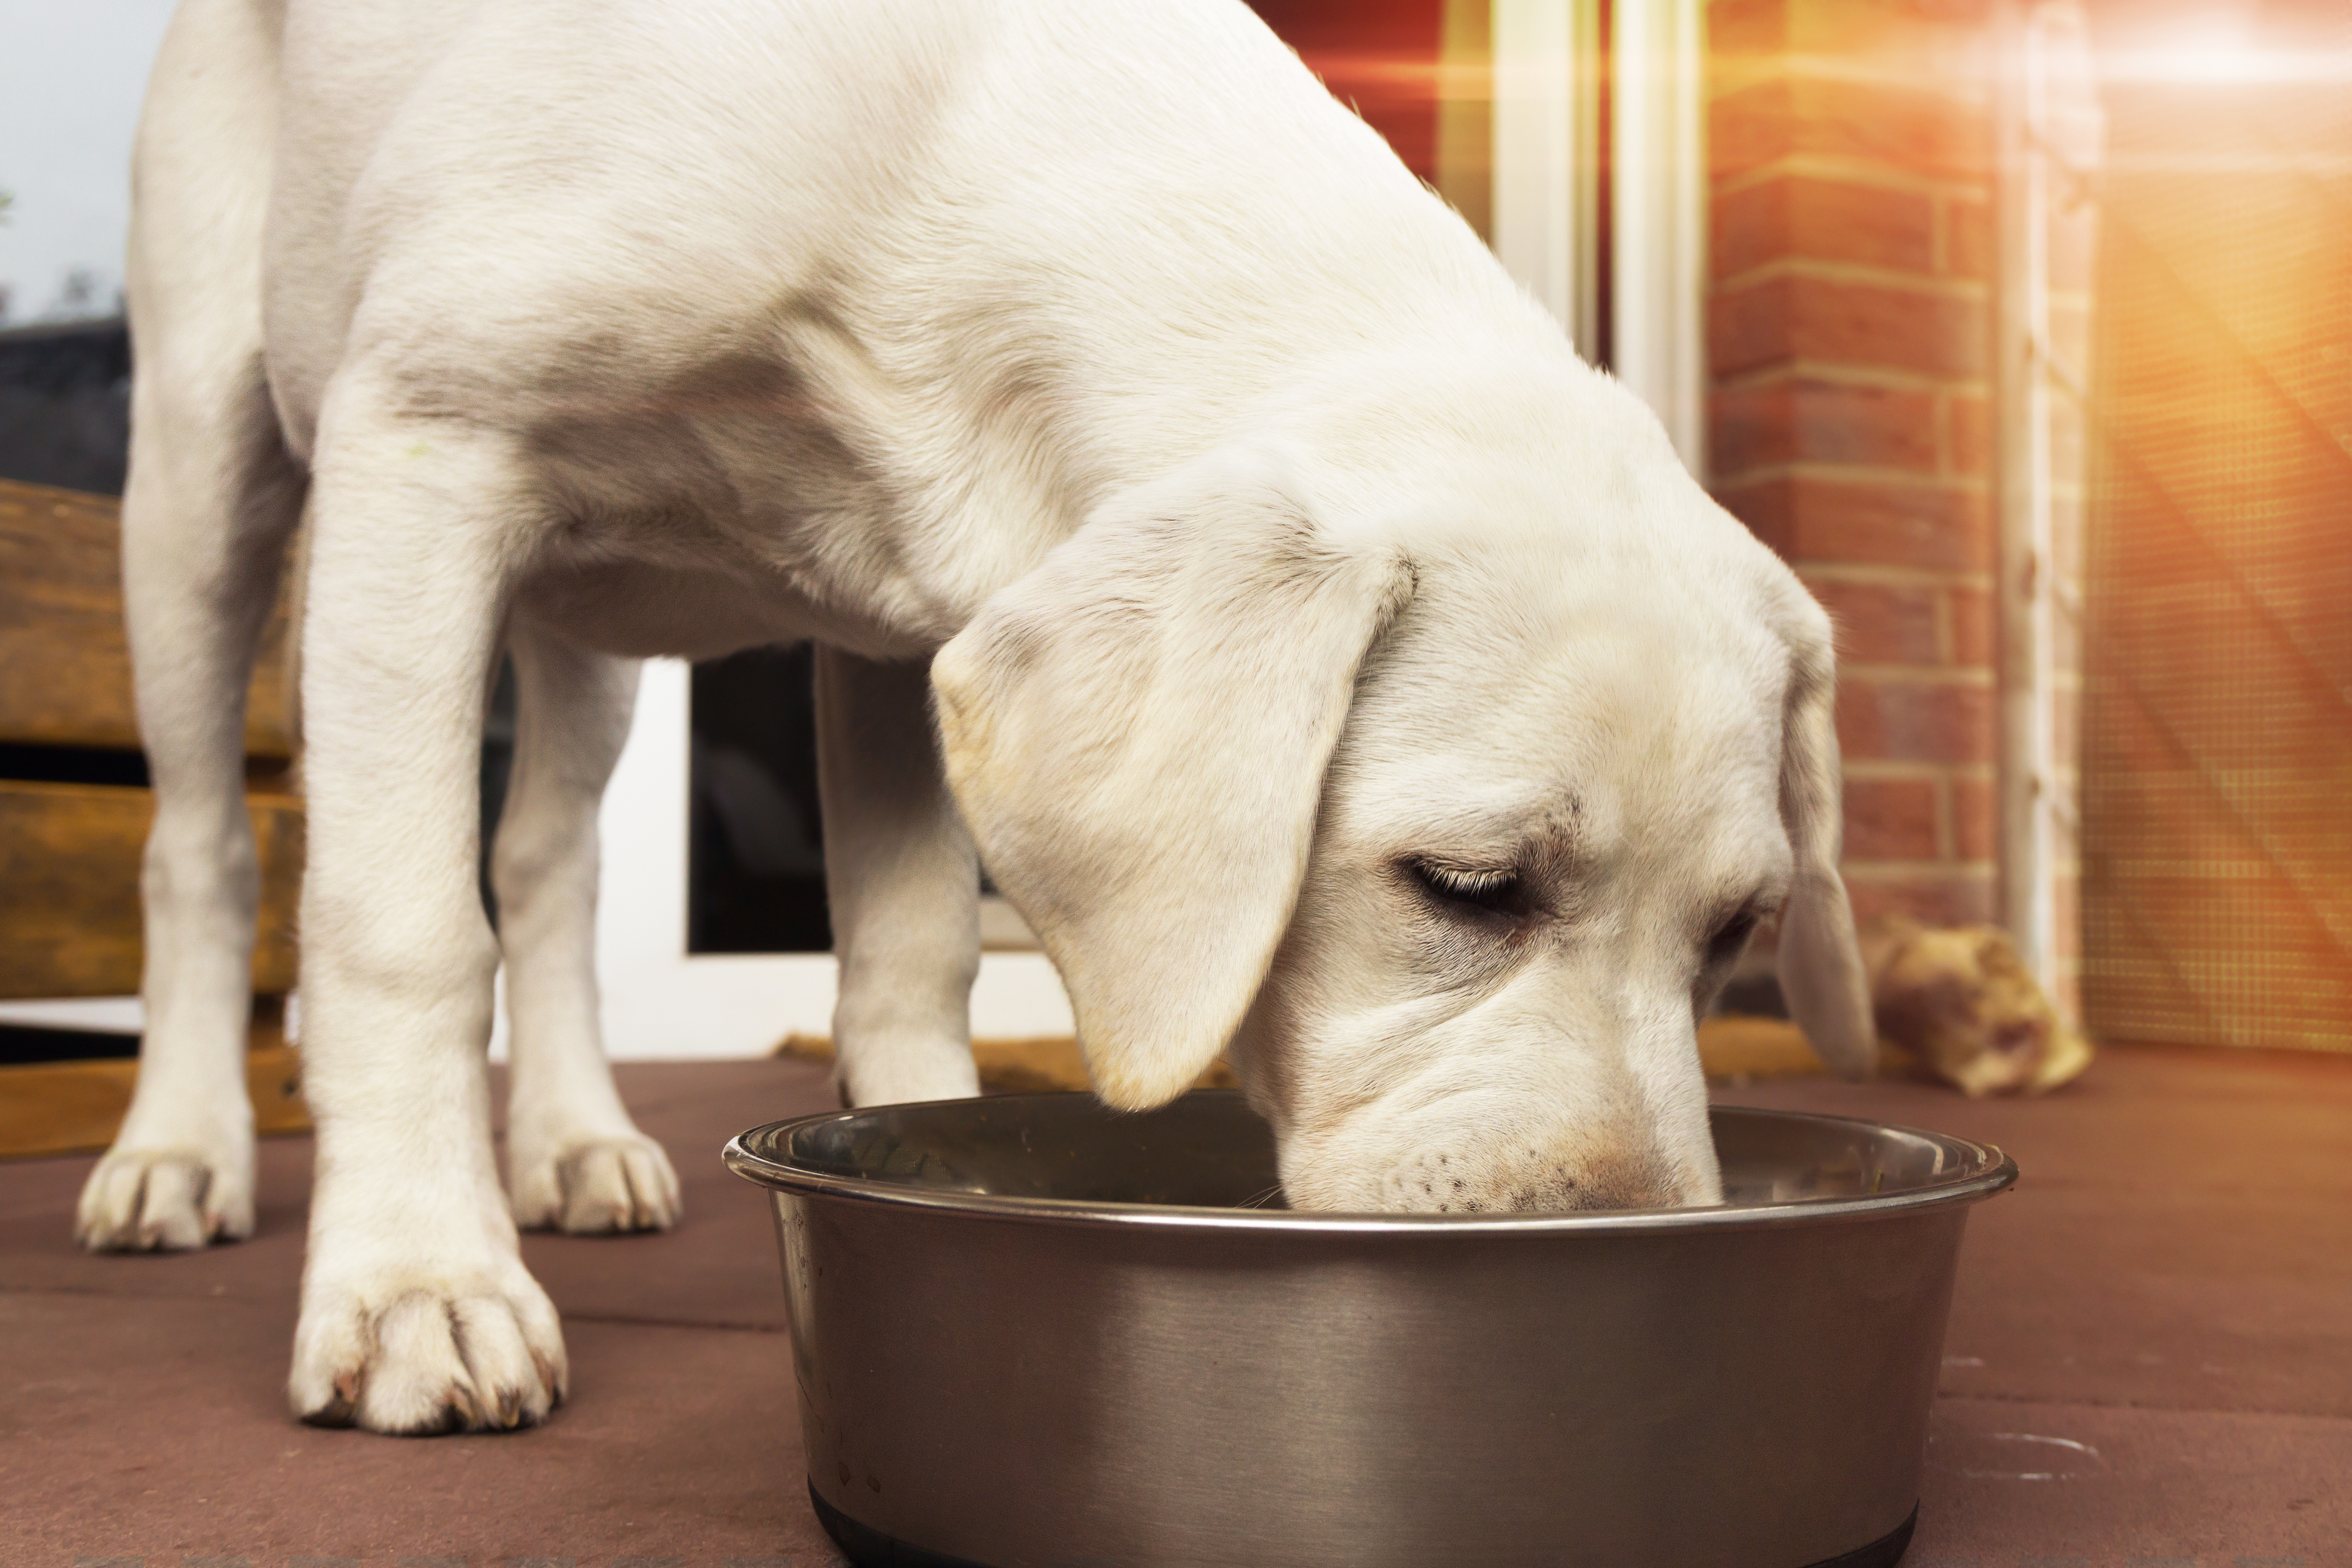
[809,489]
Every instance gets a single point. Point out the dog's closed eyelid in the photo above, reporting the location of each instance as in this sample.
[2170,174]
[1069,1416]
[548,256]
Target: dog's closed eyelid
[1537,836]
[1467,874]
[1492,889]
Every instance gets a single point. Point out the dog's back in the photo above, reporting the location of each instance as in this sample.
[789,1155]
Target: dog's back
[635,192]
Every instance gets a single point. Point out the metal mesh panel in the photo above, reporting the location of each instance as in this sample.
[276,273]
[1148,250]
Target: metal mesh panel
[2217,745]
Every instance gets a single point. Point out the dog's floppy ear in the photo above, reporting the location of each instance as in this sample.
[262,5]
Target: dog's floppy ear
[1137,734]
[1821,969]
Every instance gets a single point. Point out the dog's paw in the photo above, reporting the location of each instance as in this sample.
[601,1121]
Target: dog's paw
[597,1187]
[420,1350]
[165,1200]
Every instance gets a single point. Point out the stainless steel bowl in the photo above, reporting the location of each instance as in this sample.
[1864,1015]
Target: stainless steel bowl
[1031,1332]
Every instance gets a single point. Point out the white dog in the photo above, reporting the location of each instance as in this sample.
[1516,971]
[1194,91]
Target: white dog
[1329,665]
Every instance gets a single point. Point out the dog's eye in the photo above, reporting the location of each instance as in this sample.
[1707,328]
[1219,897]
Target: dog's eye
[1495,892]
[1725,945]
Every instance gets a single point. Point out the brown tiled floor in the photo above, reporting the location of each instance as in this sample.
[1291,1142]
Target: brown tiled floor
[2150,1356]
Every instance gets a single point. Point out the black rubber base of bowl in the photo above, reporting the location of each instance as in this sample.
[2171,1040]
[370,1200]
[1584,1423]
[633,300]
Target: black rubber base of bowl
[870,1548]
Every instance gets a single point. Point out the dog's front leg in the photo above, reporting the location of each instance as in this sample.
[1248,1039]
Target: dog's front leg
[211,500]
[904,884]
[575,1160]
[417,1314]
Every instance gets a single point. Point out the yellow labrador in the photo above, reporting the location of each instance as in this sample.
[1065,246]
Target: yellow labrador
[1329,665]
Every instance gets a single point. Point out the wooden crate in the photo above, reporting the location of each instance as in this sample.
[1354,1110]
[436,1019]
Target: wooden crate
[68,1108]
[69,856]
[70,852]
[65,666]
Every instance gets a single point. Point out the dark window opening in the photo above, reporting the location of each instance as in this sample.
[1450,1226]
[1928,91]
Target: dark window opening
[755,858]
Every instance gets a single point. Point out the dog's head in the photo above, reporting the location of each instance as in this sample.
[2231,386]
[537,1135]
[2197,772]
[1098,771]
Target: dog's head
[1446,813]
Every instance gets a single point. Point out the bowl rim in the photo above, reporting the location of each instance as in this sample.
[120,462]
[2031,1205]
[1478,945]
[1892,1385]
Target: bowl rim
[1982,1170]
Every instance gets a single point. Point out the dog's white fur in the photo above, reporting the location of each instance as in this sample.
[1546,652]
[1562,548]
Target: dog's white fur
[1276,563]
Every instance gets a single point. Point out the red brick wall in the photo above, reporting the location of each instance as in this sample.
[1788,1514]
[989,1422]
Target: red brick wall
[1848,339]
